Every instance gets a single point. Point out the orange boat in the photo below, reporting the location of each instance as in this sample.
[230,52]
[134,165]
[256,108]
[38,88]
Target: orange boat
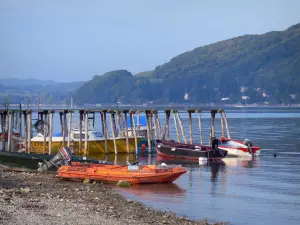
[135,174]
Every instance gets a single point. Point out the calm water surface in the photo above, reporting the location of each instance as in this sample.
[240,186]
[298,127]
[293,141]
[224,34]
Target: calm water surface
[265,190]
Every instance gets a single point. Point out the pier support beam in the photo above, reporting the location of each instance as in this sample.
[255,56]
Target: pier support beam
[191,125]
[167,132]
[10,128]
[200,127]
[112,124]
[176,126]
[29,127]
[182,128]
[126,131]
[45,130]
[50,131]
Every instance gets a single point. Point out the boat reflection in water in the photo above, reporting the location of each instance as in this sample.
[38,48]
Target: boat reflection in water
[151,191]
[247,162]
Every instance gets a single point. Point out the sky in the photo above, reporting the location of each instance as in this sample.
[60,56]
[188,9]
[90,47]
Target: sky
[73,40]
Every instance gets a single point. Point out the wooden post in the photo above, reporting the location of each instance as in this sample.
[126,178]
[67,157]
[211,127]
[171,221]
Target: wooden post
[69,128]
[3,131]
[10,127]
[212,133]
[155,125]
[148,132]
[20,128]
[29,131]
[61,123]
[64,127]
[131,123]
[112,121]
[167,133]
[191,127]
[227,127]
[126,132]
[138,121]
[86,136]
[176,127]
[25,131]
[222,124]
[45,131]
[182,128]
[50,132]
[159,126]
[134,132]
[200,127]
[104,129]
[119,127]
[80,131]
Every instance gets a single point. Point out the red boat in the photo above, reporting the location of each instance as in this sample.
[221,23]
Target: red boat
[190,152]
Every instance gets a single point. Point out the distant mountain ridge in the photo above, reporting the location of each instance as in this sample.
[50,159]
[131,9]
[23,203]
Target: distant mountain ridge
[247,69]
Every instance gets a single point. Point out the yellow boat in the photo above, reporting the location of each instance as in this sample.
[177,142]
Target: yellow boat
[96,143]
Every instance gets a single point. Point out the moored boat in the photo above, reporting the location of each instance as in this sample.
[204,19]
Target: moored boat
[135,174]
[96,142]
[190,152]
[238,148]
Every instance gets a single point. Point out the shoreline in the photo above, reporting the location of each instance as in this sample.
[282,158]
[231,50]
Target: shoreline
[35,198]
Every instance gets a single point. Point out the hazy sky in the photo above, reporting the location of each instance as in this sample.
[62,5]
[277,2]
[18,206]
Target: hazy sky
[71,40]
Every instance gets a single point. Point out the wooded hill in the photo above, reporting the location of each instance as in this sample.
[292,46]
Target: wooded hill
[250,68]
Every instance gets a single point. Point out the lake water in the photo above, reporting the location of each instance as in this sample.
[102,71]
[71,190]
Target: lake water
[264,190]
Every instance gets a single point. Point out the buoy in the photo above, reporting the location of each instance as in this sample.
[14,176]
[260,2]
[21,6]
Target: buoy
[275,155]
[202,160]
[143,147]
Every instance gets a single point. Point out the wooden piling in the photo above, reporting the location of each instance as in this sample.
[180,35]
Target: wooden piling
[212,132]
[10,127]
[157,126]
[200,127]
[50,132]
[112,124]
[64,127]
[70,128]
[61,123]
[134,132]
[126,132]
[29,115]
[86,136]
[25,131]
[182,128]
[176,126]
[80,132]
[227,127]
[104,128]
[191,126]
[148,131]
[222,124]
[154,112]
[45,130]
[3,130]
[20,128]
[167,132]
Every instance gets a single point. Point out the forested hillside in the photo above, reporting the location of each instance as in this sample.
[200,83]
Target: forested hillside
[247,69]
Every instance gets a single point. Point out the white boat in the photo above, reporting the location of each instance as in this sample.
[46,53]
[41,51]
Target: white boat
[237,148]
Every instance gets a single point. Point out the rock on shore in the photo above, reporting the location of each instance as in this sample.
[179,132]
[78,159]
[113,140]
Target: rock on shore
[36,198]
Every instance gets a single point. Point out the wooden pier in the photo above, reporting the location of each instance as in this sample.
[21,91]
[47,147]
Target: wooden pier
[18,126]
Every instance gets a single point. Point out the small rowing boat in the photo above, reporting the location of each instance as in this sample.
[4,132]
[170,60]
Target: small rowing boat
[135,174]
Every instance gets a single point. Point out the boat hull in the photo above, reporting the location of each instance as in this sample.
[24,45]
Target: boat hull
[94,147]
[238,149]
[187,152]
[132,174]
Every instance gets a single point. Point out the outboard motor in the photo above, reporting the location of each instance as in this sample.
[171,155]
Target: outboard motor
[63,157]
[249,144]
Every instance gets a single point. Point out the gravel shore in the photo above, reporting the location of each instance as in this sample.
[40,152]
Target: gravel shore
[36,198]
